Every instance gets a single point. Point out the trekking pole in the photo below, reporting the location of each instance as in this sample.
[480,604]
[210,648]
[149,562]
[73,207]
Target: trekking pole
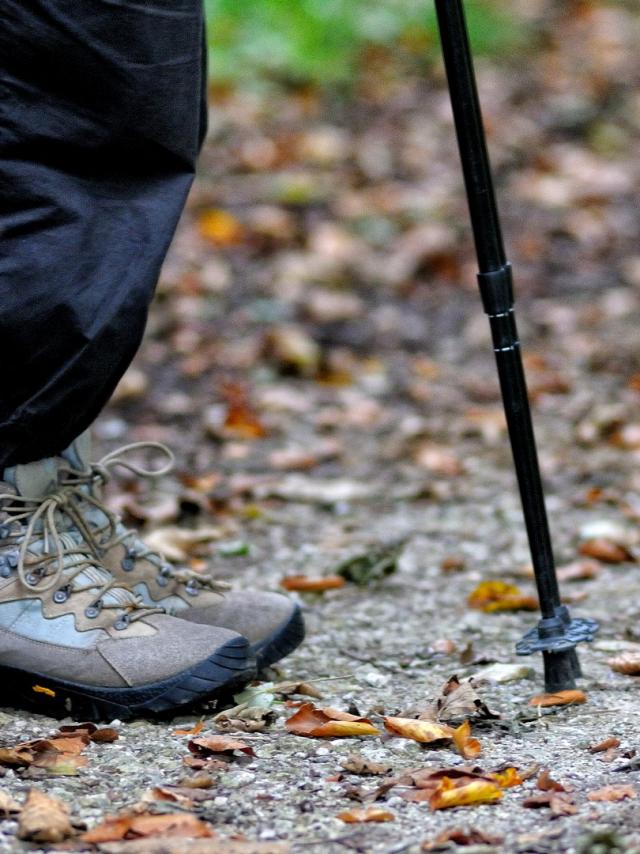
[556,634]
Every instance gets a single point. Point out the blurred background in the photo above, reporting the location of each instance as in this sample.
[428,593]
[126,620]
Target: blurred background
[317,319]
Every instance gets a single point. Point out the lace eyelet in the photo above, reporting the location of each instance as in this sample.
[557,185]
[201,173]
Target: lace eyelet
[122,623]
[128,562]
[162,580]
[5,531]
[32,579]
[191,588]
[61,595]
[92,611]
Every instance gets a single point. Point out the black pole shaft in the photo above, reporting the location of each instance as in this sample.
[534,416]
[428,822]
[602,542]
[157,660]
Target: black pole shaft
[497,293]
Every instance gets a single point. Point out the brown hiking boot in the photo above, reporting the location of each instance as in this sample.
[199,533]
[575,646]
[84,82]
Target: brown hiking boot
[73,640]
[271,622]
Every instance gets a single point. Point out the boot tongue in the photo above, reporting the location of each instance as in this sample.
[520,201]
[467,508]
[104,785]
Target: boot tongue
[79,452]
[33,480]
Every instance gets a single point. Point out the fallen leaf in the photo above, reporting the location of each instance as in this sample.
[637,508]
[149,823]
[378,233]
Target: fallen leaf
[209,744]
[8,806]
[546,784]
[327,723]
[306,689]
[241,420]
[450,793]
[305,584]
[461,837]
[453,563]
[627,663]
[366,814]
[356,764]
[425,732]
[603,746]
[606,550]
[105,735]
[490,596]
[558,802]
[612,793]
[196,729]
[507,778]
[44,819]
[220,227]
[134,826]
[467,746]
[579,570]
[560,698]
[460,699]
[177,544]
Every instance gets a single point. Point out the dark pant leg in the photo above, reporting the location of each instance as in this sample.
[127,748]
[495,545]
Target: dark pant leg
[100,123]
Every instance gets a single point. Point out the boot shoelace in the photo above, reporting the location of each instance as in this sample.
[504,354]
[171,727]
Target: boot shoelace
[61,558]
[84,484]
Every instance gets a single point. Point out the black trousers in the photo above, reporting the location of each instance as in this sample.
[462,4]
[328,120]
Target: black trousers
[102,114]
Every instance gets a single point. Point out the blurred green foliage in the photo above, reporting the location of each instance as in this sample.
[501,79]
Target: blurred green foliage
[322,41]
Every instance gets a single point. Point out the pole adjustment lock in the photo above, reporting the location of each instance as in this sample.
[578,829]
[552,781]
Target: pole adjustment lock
[496,290]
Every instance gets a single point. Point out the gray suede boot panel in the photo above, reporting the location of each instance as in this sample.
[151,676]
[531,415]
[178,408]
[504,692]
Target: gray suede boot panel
[253,614]
[83,666]
[179,646]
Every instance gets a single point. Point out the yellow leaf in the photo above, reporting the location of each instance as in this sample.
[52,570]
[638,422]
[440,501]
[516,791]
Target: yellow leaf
[423,731]
[507,778]
[467,747]
[449,795]
[220,227]
[490,596]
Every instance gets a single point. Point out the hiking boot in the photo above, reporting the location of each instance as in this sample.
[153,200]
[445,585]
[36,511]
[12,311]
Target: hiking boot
[73,640]
[272,622]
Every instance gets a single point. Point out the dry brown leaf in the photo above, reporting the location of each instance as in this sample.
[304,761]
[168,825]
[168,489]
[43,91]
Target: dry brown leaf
[356,764]
[579,570]
[201,780]
[196,729]
[305,584]
[490,596]
[604,746]
[606,550]
[366,814]
[306,689]
[241,420]
[460,699]
[425,732]
[44,819]
[558,802]
[461,837]
[613,793]
[115,828]
[627,663]
[327,723]
[8,806]
[181,845]
[207,764]
[210,744]
[468,747]
[546,784]
[453,563]
[105,735]
[560,698]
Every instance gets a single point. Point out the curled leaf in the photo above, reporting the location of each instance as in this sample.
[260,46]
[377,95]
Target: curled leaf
[603,746]
[209,744]
[363,814]
[196,729]
[327,723]
[466,746]
[560,698]
[507,777]
[606,550]
[490,596]
[115,828]
[425,732]
[449,794]
[304,584]
[627,663]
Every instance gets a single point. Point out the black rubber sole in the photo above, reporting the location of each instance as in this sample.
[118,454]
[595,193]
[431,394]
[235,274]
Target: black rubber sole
[232,666]
[284,640]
